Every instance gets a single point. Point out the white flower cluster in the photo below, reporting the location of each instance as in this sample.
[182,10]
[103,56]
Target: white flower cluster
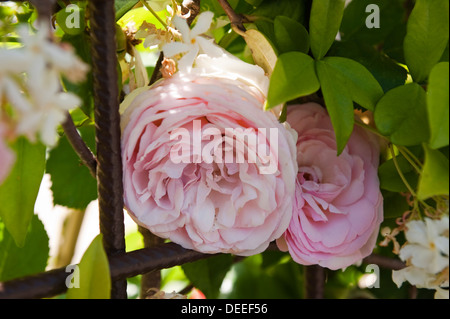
[30,78]
[426,256]
[199,55]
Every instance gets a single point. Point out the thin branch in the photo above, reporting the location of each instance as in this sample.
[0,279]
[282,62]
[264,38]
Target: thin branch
[79,146]
[384,262]
[235,19]
[192,7]
[156,75]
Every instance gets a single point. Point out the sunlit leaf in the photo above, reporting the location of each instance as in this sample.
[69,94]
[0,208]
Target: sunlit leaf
[438,105]
[94,275]
[434,179]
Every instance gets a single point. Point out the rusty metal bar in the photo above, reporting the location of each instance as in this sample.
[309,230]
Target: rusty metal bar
[107,123]
[53,282]
[314,282]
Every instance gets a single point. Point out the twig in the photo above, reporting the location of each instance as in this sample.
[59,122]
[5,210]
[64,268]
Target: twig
[79,146]
[385,262]
[235,19]
[192,7]
[156,75]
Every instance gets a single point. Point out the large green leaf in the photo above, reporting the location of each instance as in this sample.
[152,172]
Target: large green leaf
[19,191]
[293,76]
[427,36]
[434,179]
[290,35]
[385,70]
[325,20]
[94,274]
[64,165]
[338,101]
[402,114]
[360,83]
[208,274]
[27,260]
[438,105]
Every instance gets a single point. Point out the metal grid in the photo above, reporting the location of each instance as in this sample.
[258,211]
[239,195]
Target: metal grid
[108,170]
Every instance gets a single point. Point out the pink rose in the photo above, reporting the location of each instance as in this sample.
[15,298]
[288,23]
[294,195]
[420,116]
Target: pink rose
[6,157]
[187,179]
[338,206]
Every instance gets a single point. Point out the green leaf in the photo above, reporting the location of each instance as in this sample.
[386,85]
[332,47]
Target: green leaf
[438,105]
[290,35]
[19,191]
[123,6]
[30,259]
[140,15]
[427,36]
[94,275]
[262,50]
[338,101]
[390,179]
[208,274]
[294,76]
[326,17]
[402,114]
[364,89]
[434,179]
[63,165]
[385,70]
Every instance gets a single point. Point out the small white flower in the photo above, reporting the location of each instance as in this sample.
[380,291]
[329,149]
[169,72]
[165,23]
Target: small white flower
[30,83]
[193,43]
[49,109]
[426,254]
[427,246]
[45,53]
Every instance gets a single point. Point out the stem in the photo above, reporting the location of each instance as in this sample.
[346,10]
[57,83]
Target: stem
[413,161]
[411,156]
[399,171]
[144,2]
[79,146]
[371,129]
